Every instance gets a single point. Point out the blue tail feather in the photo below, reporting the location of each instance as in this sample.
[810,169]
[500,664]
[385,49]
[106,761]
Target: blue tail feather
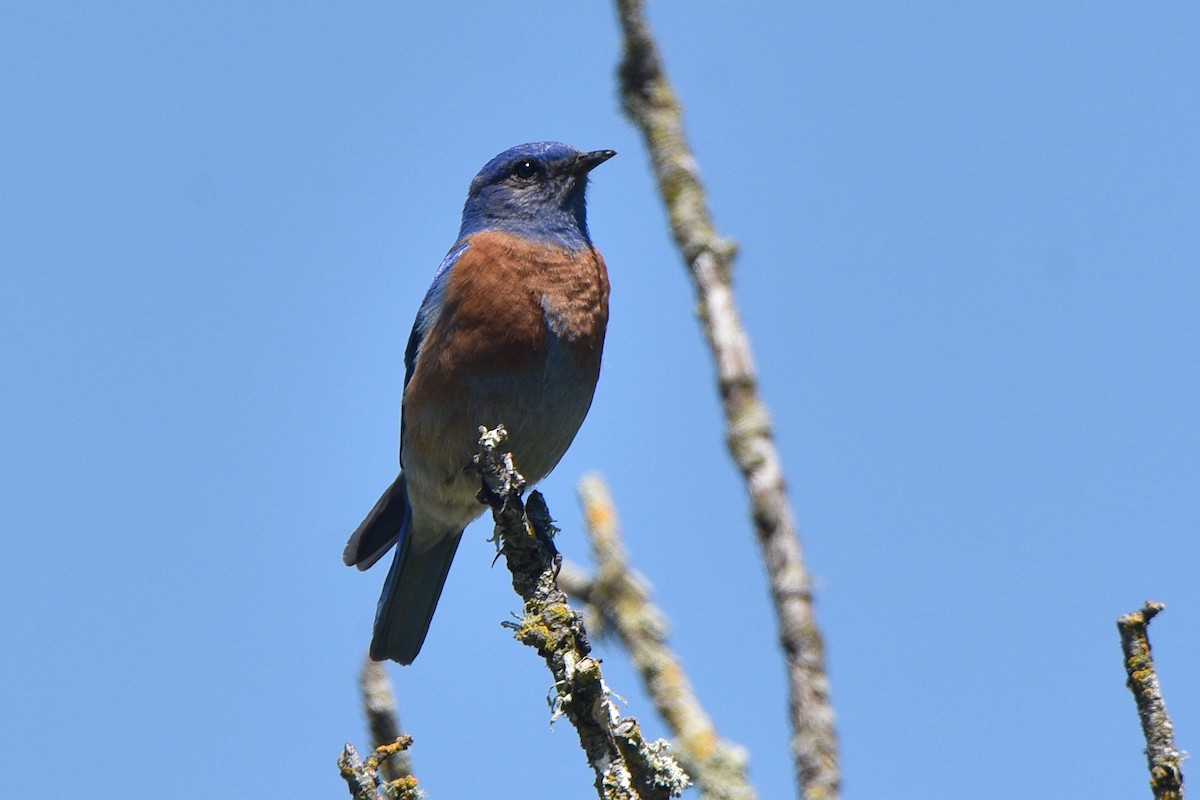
[414,581]
[410,596]
[378,532]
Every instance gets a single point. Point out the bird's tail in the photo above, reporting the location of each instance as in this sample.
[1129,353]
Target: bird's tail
[379,531]
[414,582]
[410,595]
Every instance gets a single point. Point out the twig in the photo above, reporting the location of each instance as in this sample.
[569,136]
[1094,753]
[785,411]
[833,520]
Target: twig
[718,767]
[363,784]
[627,767]
[1166,775]
[379,707]
[651,104]
[576,582]
[364,779]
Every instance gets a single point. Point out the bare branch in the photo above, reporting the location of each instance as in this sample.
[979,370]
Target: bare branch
[364,779]
[627,767]
[379,707]
[576,582]
[651,104]
[363,785]
[1166,775]
[718,767]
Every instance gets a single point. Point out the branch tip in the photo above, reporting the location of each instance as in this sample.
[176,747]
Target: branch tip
[1163,759]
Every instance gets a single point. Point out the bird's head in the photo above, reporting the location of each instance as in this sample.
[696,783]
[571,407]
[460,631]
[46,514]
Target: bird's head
[535,190]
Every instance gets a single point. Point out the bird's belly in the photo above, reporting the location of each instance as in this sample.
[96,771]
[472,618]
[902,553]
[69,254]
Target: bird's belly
[541,407]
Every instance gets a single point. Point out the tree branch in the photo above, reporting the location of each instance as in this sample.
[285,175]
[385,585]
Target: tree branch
[651,104]
[364,779]
[379,707]
[387,772]
[623,598]
[1166,776]
[576,582]
[627,767]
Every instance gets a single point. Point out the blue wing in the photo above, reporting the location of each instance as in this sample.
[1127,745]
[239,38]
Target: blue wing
[414,582]
[429,309]
[386,522]
[426,315]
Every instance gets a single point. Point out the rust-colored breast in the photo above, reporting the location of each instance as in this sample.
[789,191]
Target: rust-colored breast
[508,301]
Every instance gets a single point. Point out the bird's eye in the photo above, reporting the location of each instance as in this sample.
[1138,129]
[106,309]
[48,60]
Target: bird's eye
[525,169]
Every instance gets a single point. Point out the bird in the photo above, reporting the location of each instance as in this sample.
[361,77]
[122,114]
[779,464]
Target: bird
[511,332]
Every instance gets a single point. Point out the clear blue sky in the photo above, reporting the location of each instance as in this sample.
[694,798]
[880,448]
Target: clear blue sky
[970,251]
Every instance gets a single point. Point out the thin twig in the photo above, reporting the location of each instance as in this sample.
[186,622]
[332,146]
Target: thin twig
[1166,775]
[576,582]
[364,778]
[651,104]
[379,707]
[718,766]
[627,767]
[363,785]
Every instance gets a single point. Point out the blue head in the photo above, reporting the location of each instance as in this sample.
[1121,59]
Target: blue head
[535,190]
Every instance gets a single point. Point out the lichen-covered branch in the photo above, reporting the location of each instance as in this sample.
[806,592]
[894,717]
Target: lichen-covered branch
[1166,775]
[577,583]
[622,597]
[379,707]
[387,772]
[364,778]
[627,767]
[651,104]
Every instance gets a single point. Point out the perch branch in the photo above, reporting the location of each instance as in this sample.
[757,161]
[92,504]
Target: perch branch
[651,104]
[718,767]
[627,767]
[1166,775]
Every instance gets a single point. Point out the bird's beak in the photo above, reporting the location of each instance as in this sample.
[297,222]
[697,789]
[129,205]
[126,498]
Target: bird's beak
[586,162]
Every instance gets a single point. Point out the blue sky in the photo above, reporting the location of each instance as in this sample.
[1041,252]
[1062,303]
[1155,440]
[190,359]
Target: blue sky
[969,251]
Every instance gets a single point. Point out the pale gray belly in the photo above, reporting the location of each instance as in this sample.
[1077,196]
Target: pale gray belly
[542,410]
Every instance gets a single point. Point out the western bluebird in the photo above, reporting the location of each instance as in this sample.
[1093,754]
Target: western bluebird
[509,332]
